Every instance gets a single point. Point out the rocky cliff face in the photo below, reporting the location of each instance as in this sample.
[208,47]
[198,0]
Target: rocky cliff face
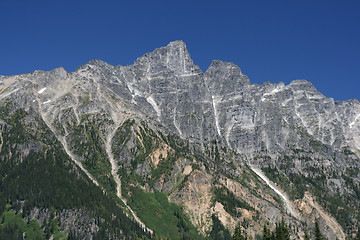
[118,123]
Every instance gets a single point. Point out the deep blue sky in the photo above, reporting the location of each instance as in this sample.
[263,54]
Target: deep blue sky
[270,40]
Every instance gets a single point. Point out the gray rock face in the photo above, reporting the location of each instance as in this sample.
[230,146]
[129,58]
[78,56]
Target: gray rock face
[221,103]
[167,84]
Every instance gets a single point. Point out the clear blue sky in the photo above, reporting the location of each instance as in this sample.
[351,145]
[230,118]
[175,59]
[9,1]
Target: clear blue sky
[270,40]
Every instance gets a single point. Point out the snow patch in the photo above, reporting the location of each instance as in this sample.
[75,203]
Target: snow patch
[41,90]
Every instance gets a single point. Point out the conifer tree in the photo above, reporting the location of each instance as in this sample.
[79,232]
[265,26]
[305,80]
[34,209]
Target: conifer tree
[318,235]
[282,231]
[266,233]
[237,234]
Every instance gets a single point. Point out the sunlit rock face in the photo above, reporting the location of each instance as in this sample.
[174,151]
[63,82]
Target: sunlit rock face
[219,104]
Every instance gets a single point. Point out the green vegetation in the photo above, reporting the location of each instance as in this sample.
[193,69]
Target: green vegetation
[149,143]
[164,168]
[87,141]
[43,176]
[143,142]
[276,175]
[318,235]
[165,218]
[296,185]
[315,144]
[121,136]
[13,226]
[168,220]
[218,231]
[347,151]
[46,178]
[85,99]
[180,146]
[230,201]
[238,234]
[281,232]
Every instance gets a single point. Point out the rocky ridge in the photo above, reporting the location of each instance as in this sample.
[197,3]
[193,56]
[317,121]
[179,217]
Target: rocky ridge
[300,138]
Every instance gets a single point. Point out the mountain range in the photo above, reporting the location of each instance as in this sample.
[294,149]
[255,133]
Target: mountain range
[162,148]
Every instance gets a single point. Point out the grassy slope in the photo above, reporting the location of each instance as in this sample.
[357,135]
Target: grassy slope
[167,219]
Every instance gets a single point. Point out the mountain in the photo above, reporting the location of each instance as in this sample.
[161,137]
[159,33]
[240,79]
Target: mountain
[161,148]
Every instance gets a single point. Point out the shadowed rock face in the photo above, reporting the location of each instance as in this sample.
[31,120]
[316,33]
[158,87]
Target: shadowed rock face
[264,124]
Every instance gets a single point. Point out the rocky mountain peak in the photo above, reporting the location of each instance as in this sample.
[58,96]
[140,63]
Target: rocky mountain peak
[177,44]
[225,78]
[228,68]
[59,72]
[302,85]
[174,57]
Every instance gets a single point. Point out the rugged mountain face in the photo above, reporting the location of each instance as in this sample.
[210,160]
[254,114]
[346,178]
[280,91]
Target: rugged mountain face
[160,134]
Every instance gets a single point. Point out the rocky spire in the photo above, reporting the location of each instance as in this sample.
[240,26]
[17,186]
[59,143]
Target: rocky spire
[174,57]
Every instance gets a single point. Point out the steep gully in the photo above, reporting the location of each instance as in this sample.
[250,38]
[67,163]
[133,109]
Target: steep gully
[114,170]
[114,167]
[290,209]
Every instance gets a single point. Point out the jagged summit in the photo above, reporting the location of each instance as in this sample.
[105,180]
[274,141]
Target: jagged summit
[177,44]
[174,57]
[168,86]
